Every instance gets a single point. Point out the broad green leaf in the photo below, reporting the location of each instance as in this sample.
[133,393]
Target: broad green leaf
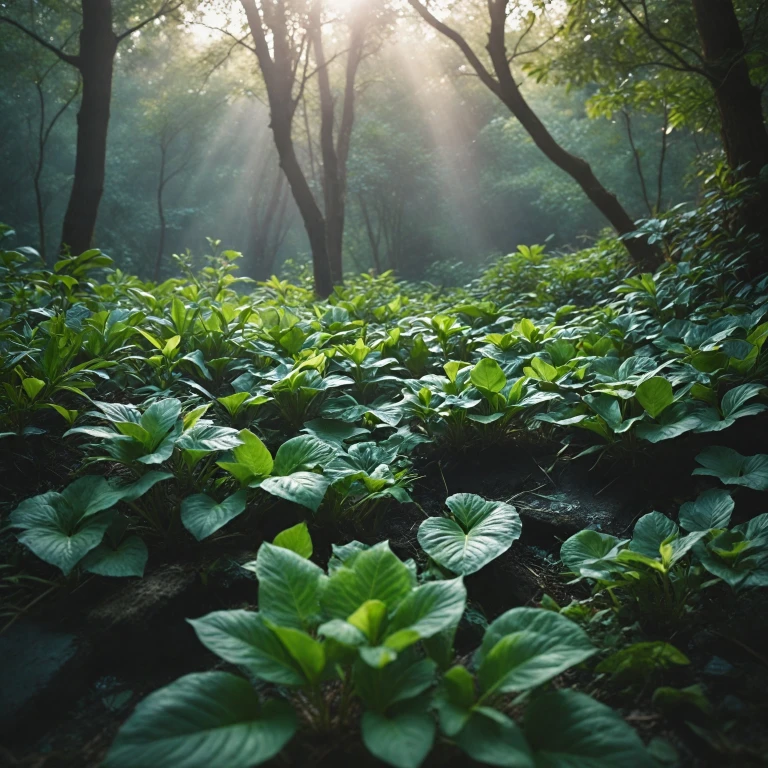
[650,531]
[208,438]
[492,738]
[589,553]
[244,638]
[203,720]
[370,619]
[426,610]
[401,737]
[91,494]
[32,387]
[253,454]
[128,559]
[567,729]
[734,469]
[403,679]
[301,453]
[526,647]
[487,375]
[308,653]
[655,395]
[374,574]
[288,587]
[736,397]
[712,509]
[297,539]
[202,516]
[160,417]
[481,531]
[304,488]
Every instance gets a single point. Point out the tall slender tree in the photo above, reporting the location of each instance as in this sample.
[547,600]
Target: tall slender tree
[94,60]
[500,80]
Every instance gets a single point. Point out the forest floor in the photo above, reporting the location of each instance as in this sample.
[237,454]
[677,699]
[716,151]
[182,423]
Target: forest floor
[75,664]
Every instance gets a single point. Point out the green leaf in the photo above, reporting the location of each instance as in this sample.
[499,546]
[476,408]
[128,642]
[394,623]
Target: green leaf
[403,679]
[301,453]
[426,610]
[128,559]
[288,587]
[203,516]
[402,737]
[487,375]
[640,659]
[304,488]
[244,638]
[203,720]
[567,729]
[736,397]
[208,438]
[589,553]
[712,509]
[308,653]
[492,738]
[32,387]
[734,469]
[526,647]
[91,494]
[650,531]
[160,417]
[297,539]
[655,395]
[482,530]
[62,536]
[253,454]
[374,574]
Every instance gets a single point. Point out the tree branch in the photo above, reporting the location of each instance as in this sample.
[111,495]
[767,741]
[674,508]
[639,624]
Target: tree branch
[463,45]
[165,8]
[68,58]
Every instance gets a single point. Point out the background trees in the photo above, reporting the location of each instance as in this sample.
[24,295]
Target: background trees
[378,145]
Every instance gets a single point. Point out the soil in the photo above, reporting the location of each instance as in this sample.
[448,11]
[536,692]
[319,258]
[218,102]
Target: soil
[76,663]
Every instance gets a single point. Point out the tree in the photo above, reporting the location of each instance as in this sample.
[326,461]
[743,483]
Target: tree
[288,38]
[501,82]
[705,57]
[98,43]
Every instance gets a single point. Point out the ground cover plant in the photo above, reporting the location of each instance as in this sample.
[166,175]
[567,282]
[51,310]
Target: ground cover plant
[315,454]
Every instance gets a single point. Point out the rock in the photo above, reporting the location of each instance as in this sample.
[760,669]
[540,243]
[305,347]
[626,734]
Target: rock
[31,656]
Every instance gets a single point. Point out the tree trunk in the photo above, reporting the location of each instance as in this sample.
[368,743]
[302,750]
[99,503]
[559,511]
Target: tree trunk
[743,130]
[160,212]
[310,212]
[577,168]
[332,193]
[98,45]
[279,77]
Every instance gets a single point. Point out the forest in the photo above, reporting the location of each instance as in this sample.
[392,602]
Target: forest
[382,383]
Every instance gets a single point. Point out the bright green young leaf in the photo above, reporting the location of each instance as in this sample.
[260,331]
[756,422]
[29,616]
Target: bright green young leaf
[655,395]
[487,375]
[203,720]
[32,387]
[640,659]
[374,574]
[297,539]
